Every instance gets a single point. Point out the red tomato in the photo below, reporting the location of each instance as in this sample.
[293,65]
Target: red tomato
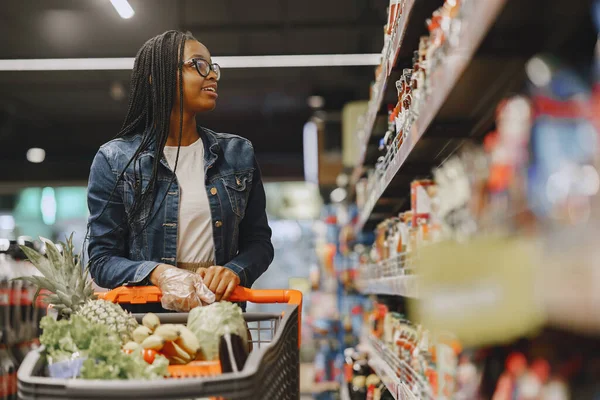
[149,355]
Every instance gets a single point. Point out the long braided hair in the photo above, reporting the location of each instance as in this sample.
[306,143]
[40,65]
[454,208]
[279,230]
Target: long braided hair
[157,65]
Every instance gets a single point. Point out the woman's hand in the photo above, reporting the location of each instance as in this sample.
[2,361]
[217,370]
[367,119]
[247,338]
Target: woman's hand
[220,280]
[182,290]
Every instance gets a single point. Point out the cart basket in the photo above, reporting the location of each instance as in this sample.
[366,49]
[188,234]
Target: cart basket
[271,372]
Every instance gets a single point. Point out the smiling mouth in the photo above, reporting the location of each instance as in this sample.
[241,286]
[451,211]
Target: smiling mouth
[209,89]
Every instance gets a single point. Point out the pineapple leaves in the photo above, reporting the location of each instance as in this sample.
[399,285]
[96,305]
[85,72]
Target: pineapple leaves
[63,276]
[53,254]
[39,261]
[38,281]
[33,256]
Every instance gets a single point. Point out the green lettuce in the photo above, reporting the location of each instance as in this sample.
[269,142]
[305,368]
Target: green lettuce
[77,337]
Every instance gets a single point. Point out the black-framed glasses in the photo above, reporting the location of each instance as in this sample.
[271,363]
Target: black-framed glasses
[204,67]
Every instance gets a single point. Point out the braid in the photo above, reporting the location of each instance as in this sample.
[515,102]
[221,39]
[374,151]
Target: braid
[157,65]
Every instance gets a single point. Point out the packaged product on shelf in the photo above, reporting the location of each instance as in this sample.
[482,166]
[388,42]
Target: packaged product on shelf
[372,383]
[376,319]
[8,326]
[358,389]
[564,145]
[467,377]
[8,375]
[451,20]
[405,117]
[419,76]
[4,300]
[388,139]
[445,354]
[405,225]
[394,239]
[394,12]
[454,198]
[361,192]
[420,200]
[436,39]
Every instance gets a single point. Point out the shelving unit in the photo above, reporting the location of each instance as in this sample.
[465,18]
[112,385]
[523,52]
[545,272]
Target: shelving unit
[443,80]
[395,373]
[380,86]
[486,63]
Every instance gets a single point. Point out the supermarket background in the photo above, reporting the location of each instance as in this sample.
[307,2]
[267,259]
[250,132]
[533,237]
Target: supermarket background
[431,172]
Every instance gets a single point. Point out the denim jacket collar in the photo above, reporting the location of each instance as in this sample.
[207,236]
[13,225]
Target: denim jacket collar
[211,148]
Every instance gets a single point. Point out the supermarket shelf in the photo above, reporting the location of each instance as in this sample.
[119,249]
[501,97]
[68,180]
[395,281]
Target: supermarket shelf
[379,88]
[405,286]
[401,380]
[389,277]
[442,81]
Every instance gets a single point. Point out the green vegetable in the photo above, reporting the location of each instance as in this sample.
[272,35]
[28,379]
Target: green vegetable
[107,364]
[77,337]
[211,322]
[64,338]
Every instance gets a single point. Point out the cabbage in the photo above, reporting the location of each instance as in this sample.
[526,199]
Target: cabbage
[211,322]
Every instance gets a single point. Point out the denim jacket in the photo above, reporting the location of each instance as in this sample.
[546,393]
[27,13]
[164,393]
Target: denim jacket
[126,253]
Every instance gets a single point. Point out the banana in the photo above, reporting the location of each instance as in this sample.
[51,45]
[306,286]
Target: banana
[151,321]
[131,346]
[141,333]
[169,332]
[153,342]
[188,341]
[172,350]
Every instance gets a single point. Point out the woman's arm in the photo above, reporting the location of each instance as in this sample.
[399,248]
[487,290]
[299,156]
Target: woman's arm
[108,232]
[255,248]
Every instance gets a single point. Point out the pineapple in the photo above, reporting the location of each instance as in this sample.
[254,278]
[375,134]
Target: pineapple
[71,291]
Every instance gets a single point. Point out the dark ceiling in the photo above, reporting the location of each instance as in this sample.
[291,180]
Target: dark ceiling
[70,114]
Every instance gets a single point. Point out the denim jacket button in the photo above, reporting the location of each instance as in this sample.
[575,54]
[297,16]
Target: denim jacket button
[213,191]
[218,224]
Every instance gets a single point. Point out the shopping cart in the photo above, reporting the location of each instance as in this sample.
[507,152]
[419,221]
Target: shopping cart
[271,372]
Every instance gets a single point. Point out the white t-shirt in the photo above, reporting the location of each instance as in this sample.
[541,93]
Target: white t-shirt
[195,242]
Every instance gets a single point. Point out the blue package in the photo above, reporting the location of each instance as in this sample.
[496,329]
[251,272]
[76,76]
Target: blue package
[560,148]
[66,369]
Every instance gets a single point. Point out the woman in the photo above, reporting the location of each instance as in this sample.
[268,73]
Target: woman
[171,203]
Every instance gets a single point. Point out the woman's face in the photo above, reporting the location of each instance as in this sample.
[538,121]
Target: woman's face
[199,93]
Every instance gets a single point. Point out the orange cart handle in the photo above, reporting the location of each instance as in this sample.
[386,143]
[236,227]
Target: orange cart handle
[152,294]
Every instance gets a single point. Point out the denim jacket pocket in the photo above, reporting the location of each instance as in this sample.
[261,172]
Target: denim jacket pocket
[130,188]
[238,189]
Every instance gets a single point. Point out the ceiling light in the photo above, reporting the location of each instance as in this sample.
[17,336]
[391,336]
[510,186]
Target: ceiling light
[316,102]
[126,63]
[308,60]
[36,155]
[117,91]
[310,142]
[123,8]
